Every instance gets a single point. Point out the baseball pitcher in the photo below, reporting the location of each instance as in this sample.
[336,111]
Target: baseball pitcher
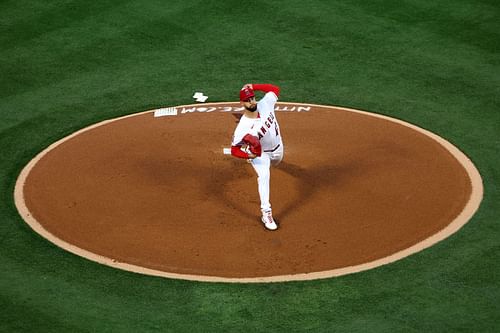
[257,138]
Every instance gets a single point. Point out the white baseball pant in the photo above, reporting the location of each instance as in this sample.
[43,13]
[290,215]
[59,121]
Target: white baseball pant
[262,166]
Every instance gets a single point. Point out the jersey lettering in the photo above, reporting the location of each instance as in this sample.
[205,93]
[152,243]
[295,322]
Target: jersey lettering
[269,121]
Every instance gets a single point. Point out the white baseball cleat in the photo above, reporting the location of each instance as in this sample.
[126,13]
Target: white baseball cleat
[267,219]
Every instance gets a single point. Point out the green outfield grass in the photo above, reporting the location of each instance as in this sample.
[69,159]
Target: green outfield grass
[67,64]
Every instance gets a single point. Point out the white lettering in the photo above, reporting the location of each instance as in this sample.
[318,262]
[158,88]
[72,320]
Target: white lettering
[282,108]
[186,110]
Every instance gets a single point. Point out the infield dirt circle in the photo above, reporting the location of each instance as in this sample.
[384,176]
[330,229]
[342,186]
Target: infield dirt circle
[157,195]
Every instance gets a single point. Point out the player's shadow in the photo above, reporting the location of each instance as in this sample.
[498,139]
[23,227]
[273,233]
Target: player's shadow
[235,170]
[310,181]
[216,181]
[313,180]
[213,177]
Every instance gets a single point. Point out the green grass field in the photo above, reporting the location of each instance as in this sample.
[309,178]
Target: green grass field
[67,64]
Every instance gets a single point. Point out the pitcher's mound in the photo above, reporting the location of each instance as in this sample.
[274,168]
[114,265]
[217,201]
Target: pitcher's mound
[158,195]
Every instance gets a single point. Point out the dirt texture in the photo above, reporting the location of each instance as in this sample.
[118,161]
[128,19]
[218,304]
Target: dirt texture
[159,193]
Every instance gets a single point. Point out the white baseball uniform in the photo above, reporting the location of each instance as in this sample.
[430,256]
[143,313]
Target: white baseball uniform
[266,128]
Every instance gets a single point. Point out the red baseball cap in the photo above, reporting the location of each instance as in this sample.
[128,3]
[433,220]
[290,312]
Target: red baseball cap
[246,93]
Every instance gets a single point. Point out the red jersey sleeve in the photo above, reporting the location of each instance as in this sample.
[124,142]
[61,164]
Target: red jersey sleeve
[237,152]
[265,87]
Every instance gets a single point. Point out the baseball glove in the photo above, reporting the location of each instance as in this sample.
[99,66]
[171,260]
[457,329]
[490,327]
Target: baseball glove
[253,144]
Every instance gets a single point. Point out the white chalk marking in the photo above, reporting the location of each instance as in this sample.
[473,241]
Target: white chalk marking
[165,112]
[200,97]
